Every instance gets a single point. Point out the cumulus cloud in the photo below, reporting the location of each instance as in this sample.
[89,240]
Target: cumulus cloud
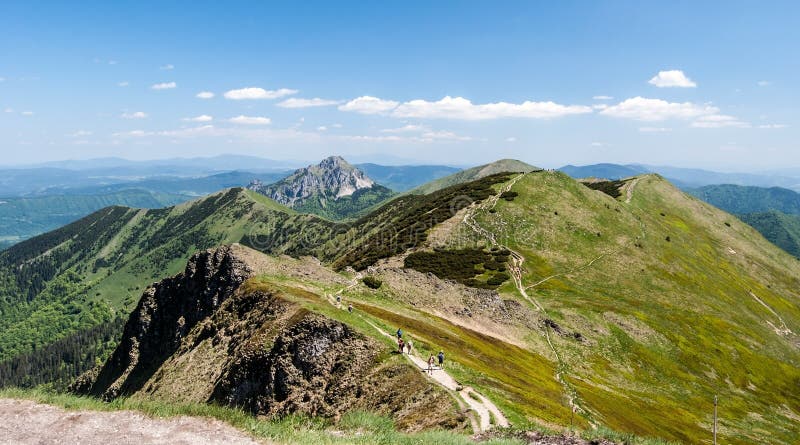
[164,86]
[201,118]
[124,83]
[719,121]
[644,109]
[369,105]
[133,134]
[307,103]
[81,133]
[250,120]
[602,97]
[134,115]
[167,67]
[463,109]
[772,126]
[27,113]
[672,78]
[654,129]
[322,128]
[258,93]
[511,139]
[204,95]
[764,83]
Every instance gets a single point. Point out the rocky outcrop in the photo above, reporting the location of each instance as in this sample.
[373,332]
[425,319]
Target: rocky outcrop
[211,335]
[333,178]
[167,311]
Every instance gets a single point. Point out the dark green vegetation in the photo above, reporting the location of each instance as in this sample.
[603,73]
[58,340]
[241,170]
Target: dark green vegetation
[22,218]
[372,282]
[352,206]
[471,267]
[59,363]
[739,200]
[610,188]
[404,222]
[781,229]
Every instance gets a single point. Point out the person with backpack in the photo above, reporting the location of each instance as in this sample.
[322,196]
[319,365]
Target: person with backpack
[441,359]
[399,333]
[350,308]
[401,345]
[408,346]
[430,364]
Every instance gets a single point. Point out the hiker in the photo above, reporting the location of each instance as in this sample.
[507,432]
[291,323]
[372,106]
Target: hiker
[399,333]
[350,308]
[430,364]
[408,346]
[441,359]
[401,345]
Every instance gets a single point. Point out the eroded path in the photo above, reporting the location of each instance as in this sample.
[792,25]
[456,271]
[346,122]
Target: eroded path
[488,414]
[27,422]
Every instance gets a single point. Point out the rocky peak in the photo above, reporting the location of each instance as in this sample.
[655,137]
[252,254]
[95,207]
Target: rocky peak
[333,178]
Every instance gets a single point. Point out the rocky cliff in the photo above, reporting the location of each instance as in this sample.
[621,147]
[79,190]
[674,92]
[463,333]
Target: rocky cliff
[210,335]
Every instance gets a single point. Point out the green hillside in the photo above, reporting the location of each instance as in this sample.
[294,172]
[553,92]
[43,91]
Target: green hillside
[22,218]
[471,174]
[781,229]
[632,305]
[739,199]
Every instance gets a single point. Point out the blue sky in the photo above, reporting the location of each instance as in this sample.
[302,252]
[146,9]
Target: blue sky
[705,84]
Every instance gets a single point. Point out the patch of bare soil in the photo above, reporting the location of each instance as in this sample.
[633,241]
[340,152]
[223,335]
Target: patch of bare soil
[28,422]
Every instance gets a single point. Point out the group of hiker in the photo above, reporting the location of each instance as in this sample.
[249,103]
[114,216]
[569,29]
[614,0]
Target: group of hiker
[403,345]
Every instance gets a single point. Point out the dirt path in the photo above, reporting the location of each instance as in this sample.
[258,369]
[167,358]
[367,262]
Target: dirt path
[483,407]
[629,190]
[782,331]
[28,422]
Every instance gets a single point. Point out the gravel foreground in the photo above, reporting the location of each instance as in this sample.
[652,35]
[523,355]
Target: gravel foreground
[26,422]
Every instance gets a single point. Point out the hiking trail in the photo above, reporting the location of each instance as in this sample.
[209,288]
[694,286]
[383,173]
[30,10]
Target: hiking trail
[515,268]
[488,413]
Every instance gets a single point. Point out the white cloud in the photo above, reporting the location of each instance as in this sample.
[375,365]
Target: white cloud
[322,128]
[463,109]
[602,97]
[81,133]
[407,129]
[307,103]
[204,95]
[27,113]
[597,144]
[167,67]
[672,78]
[369,105]
[164,86]
[719,121]
[134,115]
[599,106]
[133,134]
[258,93]
[511,139]
[124,83]
[764,83]
[444,135]
[772,126]
[250,120]
[201,118]
[644,109]
[654,129]
[336,125]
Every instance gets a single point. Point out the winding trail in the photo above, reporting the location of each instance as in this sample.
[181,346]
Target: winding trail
[517,259]
[629,190]
[488,413]
[782,331]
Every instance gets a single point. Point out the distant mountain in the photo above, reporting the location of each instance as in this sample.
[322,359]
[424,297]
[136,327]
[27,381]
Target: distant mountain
[405,177]
[22,218]
[739,199]
[781,229]
[605,171]
[474,173]
[332,189]
[684,178]
[198,165]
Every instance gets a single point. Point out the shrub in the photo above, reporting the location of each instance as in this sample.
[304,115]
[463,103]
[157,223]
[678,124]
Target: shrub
[372,282]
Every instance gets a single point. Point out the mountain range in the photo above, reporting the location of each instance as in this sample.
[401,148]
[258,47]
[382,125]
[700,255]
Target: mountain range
[563,302]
